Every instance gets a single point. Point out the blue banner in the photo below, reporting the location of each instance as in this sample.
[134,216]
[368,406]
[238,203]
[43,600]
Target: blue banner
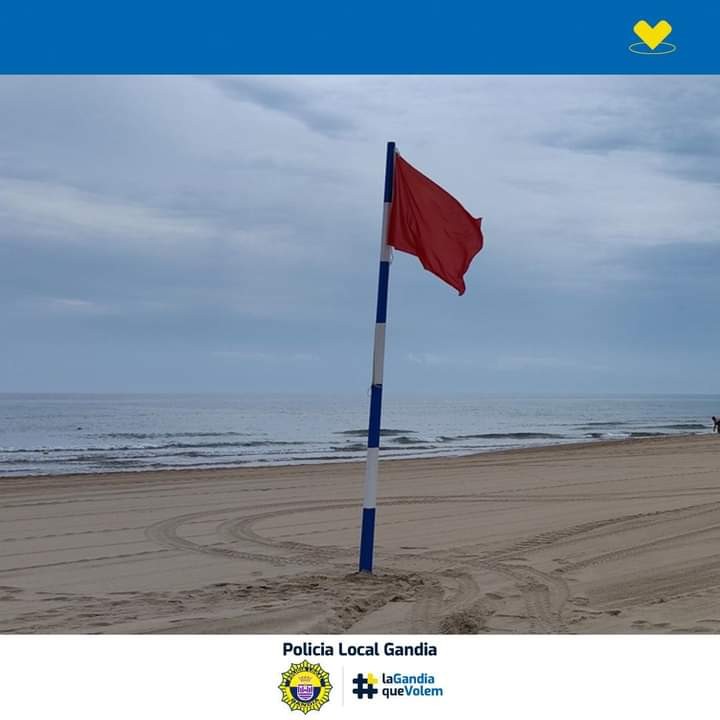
[367,37]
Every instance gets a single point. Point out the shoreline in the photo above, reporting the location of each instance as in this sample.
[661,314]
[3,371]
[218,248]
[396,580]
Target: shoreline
[599,537]
[579,443]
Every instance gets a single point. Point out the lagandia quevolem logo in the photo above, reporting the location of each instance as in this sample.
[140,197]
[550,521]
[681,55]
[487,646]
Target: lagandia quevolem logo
[305,687]
[395,685]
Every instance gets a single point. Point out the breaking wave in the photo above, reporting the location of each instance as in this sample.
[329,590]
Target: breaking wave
[385,432]
[504,436]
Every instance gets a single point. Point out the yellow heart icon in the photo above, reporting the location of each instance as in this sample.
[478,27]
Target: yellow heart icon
[652,36]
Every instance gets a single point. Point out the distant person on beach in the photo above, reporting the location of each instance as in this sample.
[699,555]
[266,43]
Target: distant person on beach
[716,424]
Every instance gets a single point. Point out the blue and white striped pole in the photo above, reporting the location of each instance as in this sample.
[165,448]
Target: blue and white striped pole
[367,534]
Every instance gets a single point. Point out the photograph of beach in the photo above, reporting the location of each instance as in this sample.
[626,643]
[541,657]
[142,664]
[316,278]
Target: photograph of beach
[218,417]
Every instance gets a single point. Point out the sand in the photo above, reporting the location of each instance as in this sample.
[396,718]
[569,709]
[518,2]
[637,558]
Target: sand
[620,537]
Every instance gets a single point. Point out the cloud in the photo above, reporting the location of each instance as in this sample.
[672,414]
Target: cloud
[442,359]
[673,121]
[49,209]
[65,306]
[265,357]
[301,105]
[205,222]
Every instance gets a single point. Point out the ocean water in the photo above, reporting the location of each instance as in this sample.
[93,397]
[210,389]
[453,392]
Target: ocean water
[56,434]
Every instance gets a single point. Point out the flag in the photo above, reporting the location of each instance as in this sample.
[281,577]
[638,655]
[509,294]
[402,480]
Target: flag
[428,222]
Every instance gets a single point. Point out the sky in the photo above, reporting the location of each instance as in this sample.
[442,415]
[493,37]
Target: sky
[221,234]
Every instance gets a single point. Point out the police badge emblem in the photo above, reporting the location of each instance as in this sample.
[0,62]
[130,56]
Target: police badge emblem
[305,687]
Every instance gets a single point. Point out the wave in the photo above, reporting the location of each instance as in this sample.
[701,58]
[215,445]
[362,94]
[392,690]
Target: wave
[385,432]
[352,447]
[685,426]
[426,446]
[600,426]
[647,434]
[609,423]
[670,426]
[165,446]
[504,436]
[150,436]
[406,440]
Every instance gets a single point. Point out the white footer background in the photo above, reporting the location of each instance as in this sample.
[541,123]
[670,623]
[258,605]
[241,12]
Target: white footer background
[238,677]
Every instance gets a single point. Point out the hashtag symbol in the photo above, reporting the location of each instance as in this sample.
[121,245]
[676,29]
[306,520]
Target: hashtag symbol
[364,687]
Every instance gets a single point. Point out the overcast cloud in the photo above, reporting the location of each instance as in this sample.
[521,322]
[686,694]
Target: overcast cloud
[221,234]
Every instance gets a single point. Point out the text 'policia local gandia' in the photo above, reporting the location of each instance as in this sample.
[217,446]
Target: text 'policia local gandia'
[392,649]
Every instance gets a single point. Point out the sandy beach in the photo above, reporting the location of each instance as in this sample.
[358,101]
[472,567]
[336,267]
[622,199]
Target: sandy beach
[617,537]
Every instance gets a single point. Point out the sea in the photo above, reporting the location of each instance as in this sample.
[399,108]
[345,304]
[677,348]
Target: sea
[55,434]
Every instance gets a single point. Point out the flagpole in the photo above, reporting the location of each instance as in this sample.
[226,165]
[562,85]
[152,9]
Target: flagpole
[367,534]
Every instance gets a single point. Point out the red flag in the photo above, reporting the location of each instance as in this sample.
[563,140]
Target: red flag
[428,222]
